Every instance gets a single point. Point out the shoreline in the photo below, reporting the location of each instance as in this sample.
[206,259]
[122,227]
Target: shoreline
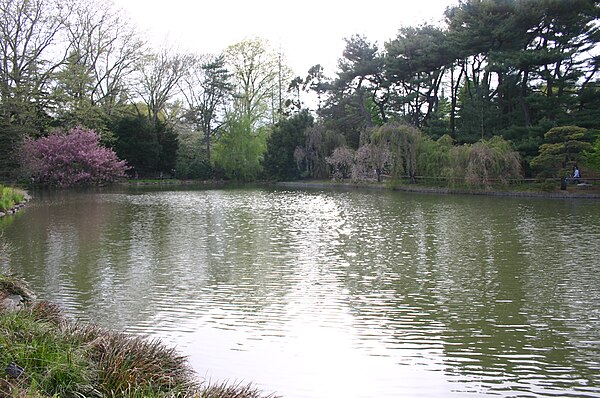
[320,184]
[441,190]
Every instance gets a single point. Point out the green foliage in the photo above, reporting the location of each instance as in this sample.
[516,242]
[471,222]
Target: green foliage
[287,136]
[62,358]
[433,159]
[356,101]
[9,197]
[487,162]
[592,156]
[319,143]
[134,366]
[168,146]
[240,149]
[11,138]
[415,61]
[438,124]
[72,94]
[6,203]
[257,73]
[53,365]
[192,160]
[137,142]
[413,155]
[549,185]
[500,68]
[208,89]
[403,142]
[564,147]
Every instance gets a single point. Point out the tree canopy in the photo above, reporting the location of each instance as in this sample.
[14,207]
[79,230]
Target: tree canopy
[510,69]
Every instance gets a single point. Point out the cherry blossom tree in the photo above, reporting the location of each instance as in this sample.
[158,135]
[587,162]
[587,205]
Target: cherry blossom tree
[70,159]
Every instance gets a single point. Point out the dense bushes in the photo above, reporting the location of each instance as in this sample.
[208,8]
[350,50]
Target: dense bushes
[287,135]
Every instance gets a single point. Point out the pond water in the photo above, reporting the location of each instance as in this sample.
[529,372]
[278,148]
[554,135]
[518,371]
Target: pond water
[331,293]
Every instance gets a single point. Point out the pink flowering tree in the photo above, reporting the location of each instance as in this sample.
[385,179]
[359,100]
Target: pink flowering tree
[74,158]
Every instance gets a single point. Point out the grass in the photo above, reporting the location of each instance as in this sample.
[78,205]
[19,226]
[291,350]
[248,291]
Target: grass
[59,357]
[10,197]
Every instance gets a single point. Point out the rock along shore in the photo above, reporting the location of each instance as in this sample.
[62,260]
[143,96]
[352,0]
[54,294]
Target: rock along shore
[17,207]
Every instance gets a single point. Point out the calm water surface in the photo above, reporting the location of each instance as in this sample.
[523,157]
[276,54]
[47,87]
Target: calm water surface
[332,293]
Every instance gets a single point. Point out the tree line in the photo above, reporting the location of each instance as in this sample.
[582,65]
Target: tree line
[504,88]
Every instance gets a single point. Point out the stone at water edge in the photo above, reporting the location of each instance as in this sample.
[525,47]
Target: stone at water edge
[12,302]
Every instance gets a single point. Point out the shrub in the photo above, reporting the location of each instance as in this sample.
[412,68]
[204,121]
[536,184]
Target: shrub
[74,158]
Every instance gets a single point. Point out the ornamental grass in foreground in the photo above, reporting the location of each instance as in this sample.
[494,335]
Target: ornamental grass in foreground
[43,354]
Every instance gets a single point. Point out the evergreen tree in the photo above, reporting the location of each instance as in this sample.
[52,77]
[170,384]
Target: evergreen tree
[286,137]
[564,147]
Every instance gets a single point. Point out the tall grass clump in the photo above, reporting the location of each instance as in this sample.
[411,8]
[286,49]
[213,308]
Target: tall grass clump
[227,390]
[13,285]
[9,197]
[44,354]
[135,366]
[51,356]
[51,364]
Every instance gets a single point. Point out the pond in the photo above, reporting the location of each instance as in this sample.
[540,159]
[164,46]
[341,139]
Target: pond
[329,293]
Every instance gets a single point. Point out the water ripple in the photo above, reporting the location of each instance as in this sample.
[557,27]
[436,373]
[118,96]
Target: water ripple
[314,293]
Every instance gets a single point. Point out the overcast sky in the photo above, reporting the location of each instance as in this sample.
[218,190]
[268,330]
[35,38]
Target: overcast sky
[308,32]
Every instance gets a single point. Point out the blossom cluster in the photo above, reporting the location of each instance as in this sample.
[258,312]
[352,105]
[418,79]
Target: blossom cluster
[70,159]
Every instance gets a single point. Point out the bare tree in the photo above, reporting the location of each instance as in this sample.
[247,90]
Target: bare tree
[159,79]
[107,44]
[30,51]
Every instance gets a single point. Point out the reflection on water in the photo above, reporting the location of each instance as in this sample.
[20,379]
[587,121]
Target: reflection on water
[333,293]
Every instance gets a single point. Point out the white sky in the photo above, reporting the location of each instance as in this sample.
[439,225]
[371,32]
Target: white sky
[308,32]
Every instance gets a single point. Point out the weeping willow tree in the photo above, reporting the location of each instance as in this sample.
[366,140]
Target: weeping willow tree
[413,154]
[434,157]
[485,162]
[370,161]
[240,149]
[402,141]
